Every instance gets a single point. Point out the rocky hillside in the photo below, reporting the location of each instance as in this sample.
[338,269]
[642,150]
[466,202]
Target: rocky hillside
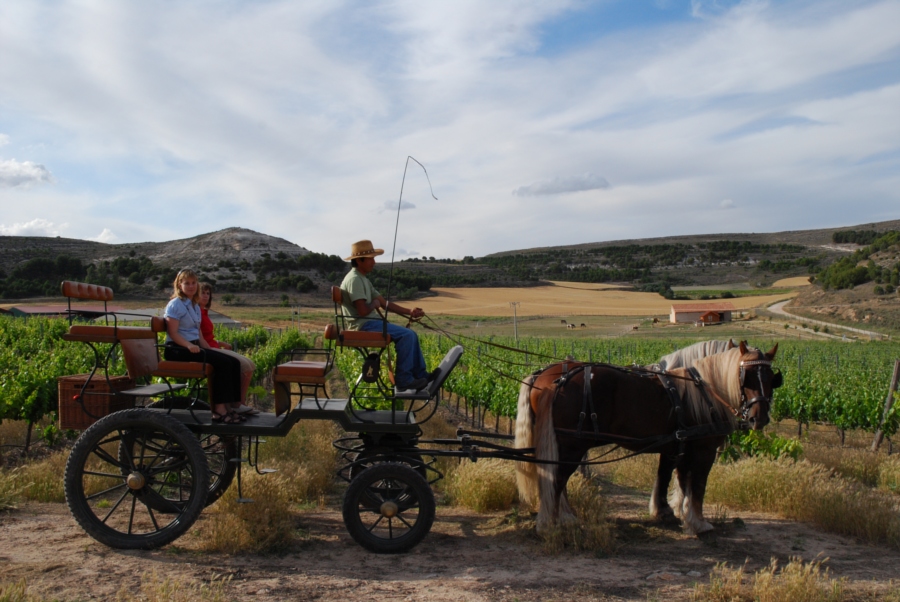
[232,245]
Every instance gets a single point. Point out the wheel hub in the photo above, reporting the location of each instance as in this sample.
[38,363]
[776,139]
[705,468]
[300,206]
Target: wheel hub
[136,481]
[389,509]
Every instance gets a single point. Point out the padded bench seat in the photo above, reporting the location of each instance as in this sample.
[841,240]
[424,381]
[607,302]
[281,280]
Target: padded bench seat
[297,371]
[357,338]
[106,334]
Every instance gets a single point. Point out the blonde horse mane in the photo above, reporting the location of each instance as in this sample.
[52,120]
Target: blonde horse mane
[720,374]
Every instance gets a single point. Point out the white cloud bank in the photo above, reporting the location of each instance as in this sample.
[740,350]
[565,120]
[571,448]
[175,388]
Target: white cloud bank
[14,173]
[561,185]
[36,227]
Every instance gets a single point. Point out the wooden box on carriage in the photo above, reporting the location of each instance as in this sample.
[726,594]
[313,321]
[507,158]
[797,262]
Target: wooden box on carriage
[99,399]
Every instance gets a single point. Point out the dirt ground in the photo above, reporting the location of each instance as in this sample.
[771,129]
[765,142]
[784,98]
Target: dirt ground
[465,557]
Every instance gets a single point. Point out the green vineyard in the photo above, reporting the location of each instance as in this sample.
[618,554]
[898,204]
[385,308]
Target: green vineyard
[33,354]
[844,384]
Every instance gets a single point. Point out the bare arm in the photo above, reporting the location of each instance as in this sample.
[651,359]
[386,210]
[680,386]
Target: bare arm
[364,309]
[414,313]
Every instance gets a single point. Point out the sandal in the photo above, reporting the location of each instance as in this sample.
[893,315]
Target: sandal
[227,417]
[234,418]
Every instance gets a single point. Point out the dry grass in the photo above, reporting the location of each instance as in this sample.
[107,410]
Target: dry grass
[483,486]
[11,488]
[41,481]
[306,462]
[16,592]
[592,531]
[889,475]
[266,525]
[853,463]
[797,582]
[154,589]
[305,459]
[638,472]
[807,492]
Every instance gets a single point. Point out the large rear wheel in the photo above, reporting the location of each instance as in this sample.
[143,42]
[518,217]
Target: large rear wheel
[388,508]
[221,452]
[136,479]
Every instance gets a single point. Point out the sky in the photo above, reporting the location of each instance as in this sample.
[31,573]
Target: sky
[539,123]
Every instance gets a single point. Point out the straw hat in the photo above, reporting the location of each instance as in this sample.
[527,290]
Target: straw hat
[363,248]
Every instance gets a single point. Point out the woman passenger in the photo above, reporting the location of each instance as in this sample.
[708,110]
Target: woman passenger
[206,330]
[183,344]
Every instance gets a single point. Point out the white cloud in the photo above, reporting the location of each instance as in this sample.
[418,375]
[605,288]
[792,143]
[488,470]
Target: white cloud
[14,173]
[106,236]
[308,119]
[726,204]
[36,227]
[560,185]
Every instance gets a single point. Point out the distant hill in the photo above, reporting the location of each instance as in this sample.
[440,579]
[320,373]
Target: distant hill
[231,244]
[234,260]
[238,260]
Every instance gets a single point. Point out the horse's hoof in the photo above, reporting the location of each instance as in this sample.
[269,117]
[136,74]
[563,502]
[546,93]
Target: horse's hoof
[667,518]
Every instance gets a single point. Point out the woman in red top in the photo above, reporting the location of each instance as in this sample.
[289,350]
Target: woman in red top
[206,331]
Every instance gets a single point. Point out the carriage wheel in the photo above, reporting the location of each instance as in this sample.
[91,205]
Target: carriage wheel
[219,450]
[136,479]
[388,508]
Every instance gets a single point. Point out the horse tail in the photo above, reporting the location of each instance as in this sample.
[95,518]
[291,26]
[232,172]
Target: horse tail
[526,472]
[545,449]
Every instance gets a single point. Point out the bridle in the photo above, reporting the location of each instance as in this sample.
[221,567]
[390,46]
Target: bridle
[777,381]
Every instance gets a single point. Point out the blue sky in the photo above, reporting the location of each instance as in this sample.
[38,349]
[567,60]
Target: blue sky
[540,123]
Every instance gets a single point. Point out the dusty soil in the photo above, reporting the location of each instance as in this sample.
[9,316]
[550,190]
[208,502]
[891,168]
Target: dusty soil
[465,557]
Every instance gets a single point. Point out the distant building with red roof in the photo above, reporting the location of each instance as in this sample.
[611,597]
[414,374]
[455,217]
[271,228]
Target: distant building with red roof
[706,313]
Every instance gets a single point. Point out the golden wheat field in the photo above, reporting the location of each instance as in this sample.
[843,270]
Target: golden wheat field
[563,298]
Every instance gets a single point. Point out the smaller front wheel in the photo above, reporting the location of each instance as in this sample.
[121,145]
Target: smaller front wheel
[388,508]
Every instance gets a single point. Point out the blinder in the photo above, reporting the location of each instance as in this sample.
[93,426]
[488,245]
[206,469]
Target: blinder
[777,381]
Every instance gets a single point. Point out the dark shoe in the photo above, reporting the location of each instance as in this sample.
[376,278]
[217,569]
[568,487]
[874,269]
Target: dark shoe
[433,374]
[414,385]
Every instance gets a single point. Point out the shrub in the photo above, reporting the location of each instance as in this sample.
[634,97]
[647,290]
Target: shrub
[267,525]
[807,492]
[592,531]
[797,581]
[483,486]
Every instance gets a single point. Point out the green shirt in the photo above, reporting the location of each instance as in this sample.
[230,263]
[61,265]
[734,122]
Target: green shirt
[355,287]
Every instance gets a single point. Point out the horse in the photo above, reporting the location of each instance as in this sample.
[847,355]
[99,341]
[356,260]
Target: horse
[562,419]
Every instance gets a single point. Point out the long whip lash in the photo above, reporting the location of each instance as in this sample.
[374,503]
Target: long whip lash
[397,223]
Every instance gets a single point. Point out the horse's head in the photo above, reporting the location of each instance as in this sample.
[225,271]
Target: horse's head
[757,382]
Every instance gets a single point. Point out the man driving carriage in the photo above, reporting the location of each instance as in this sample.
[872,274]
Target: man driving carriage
[360,303]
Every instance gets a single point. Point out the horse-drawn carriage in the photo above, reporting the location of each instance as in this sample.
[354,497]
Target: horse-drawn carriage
[139,477]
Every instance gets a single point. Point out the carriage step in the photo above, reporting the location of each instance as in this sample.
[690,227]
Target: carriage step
[245,500]
[266,470]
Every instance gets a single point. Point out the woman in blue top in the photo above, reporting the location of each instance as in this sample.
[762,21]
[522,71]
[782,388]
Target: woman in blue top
[184,344]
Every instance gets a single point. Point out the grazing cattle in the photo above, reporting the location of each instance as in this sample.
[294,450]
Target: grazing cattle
[656,320]
[634,328]
[563,322]
[583,325]
[570,326]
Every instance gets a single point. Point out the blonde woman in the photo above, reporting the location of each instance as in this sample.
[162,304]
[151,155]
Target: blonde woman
[184,344]
[206,330]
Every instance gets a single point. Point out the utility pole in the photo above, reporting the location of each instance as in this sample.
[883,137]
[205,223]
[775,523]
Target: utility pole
[514,305]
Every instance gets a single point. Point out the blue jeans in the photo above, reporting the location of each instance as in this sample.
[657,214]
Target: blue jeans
[410,363]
